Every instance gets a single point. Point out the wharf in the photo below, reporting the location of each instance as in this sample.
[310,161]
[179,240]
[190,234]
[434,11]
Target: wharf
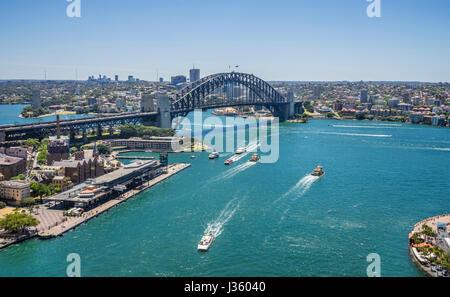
[72,222]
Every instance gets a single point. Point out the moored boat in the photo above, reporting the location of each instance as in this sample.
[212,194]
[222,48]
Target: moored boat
[205,242]
[318,171]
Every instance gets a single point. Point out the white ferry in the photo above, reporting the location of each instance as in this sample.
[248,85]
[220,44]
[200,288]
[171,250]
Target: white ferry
[205,242]
[241,150]
[214,155]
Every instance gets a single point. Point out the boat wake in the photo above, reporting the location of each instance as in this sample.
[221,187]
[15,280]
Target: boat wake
[356,134]
[300,188]
[367,126]
[238,169]
[216,227]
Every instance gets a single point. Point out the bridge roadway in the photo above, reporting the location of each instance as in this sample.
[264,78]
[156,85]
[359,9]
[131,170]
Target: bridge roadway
[42,129]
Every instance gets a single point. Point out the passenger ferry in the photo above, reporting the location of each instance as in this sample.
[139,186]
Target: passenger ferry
[241,150]
[205,242]
[254,158]
[318,171]
[214,155]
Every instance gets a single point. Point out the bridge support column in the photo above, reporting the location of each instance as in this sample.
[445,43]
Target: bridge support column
[283,112]
[164,119]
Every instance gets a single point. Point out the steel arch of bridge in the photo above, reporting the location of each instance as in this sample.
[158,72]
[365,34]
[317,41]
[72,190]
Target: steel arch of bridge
[194,96]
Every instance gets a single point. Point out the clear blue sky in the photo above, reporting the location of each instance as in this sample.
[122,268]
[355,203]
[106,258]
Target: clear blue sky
[275,40]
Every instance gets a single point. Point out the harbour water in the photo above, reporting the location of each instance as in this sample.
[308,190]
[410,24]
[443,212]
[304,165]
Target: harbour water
[270,219]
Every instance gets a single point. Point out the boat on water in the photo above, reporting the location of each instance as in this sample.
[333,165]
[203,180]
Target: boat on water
[205,242]
[214,155]
[254,158]
[192,157]
[241,150]
[318,171]
[228,161]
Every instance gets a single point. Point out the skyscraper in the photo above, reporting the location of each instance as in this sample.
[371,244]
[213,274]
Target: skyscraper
[194,74]
[364,97]
[36,99]
[116,78]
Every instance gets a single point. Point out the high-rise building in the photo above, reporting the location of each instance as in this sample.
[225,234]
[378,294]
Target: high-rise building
[316,92]
[161,80]
[36,100]
[364,97]
[116,78]
[194,75]
[174,80]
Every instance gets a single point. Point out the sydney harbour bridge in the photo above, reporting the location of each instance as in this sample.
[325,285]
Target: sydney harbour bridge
[203,94]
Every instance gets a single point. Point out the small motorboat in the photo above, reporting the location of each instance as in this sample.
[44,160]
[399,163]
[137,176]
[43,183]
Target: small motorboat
[240,150]
[254,158]
[228,161]
[318,171]
[214,155]
[205,242]
[192,157]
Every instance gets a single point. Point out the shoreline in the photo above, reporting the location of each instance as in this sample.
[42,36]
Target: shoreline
[71,223]
[419,227]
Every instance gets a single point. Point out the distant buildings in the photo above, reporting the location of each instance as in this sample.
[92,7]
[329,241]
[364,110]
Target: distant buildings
[36,99]
[194,75]
[14,192]
[174,80]
[92,101]
[116,77]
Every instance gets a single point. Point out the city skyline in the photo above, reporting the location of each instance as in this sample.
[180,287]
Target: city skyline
[309,40]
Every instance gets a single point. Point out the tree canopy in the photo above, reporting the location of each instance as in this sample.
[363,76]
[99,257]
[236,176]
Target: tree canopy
[18,222]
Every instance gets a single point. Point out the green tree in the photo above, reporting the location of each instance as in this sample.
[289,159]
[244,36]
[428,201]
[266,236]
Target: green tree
[40,190]
[32,142]
[103,149]
[17,222]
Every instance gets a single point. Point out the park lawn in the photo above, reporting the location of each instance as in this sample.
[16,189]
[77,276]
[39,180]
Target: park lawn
[5,211]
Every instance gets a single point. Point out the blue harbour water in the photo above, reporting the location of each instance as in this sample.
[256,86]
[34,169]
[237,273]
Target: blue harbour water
[270,219]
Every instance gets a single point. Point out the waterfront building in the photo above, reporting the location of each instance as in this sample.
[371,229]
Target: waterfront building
[57,149]
[14,192]
[155,144]
[194,75]
[80,170]
[36,99]
[12,166]
[338,105]
[178,79]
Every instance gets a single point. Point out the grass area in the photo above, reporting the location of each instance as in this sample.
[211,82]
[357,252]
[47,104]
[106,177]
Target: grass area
[5,211]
